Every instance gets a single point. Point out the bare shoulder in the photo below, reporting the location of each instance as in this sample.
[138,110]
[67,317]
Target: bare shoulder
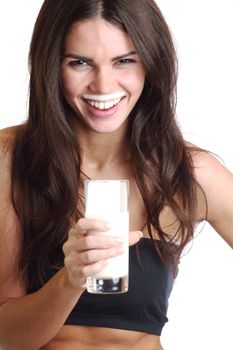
[8,134]
[7,138]
[207,166]
[10,230]
[216,182]
[210,171]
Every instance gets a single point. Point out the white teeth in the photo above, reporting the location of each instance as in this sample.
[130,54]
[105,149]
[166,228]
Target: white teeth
[104,101]
[103,104]
[108,105]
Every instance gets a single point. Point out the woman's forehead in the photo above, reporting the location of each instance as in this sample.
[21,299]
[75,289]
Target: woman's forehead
[96,34]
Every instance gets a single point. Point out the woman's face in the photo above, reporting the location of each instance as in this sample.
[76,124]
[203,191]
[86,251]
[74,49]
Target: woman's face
[101,73]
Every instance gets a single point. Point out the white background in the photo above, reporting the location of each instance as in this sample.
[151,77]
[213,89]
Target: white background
[201,304]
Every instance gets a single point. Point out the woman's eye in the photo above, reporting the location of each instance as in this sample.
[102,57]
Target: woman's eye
[126,61]
[81,64]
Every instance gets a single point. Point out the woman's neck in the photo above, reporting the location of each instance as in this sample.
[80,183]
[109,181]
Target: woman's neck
[102,151]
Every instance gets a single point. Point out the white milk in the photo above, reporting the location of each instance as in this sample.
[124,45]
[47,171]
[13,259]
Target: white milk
[117,266]
[108,200]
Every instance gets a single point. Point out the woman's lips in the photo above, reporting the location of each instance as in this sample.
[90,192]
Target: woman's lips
[101,112]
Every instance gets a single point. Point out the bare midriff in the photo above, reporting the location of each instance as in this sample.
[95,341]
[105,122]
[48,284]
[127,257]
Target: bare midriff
[98,338]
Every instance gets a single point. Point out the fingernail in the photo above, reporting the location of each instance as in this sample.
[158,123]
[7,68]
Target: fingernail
[116,242]
[140,234]
[104,262]
[108,224]
[120,239]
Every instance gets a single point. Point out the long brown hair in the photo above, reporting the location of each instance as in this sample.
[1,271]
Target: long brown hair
[46,171]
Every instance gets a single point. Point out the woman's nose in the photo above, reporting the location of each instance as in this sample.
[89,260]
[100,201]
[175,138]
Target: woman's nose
[102,81]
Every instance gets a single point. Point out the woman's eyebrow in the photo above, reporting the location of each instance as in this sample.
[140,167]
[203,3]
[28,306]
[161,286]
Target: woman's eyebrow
[131,53]
[88,59]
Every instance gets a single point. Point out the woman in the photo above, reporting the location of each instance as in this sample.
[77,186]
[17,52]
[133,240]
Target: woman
[102,106]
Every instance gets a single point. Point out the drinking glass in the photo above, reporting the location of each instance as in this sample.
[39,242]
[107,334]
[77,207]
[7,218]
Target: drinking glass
[108,200]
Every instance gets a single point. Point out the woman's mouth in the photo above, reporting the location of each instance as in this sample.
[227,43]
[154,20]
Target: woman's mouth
[102,105]
[104,102]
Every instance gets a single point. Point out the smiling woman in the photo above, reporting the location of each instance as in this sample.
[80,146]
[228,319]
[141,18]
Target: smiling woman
[102,105]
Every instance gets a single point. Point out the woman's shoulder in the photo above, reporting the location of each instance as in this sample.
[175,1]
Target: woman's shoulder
[10,228]
[216,182]
[9,133]
[206,164]
[7,140]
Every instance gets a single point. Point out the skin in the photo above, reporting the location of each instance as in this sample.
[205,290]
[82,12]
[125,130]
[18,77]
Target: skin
[105,154]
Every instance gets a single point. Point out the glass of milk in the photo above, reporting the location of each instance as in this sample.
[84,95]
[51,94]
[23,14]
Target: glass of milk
[108,200]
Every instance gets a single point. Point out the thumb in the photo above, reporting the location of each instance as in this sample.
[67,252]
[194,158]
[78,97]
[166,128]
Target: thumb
[134,237]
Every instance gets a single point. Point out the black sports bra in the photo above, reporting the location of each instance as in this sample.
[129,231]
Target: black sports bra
[143,308]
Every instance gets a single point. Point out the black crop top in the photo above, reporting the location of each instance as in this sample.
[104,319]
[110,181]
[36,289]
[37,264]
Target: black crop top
[143,308]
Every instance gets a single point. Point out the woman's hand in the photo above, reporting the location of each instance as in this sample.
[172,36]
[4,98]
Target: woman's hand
[86,254]
[134,237]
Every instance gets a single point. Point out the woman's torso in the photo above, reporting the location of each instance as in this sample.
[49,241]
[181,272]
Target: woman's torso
[95,338]
[88,337]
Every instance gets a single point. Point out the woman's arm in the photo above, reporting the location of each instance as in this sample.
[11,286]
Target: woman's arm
[217,183]
[26,321]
